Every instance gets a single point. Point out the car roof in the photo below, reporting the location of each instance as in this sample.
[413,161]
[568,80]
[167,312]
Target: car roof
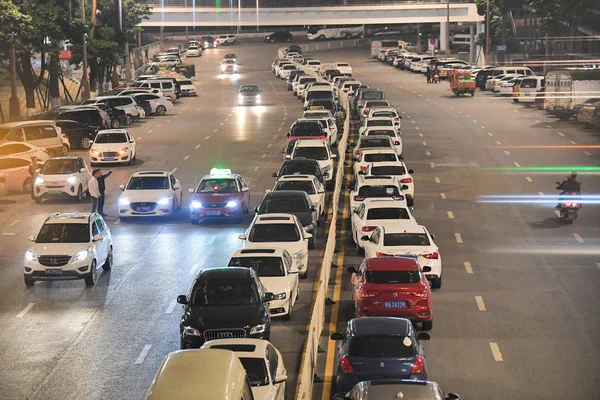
[257,251]
[382,108]
[405,229]
[274,218]
[378,150]
[409,389]
[15,124]
[311,143]
[392,326]
[301,161]
[286,193]
[113,131]
[373,137]
[150,173]
[69,218]
[392,264]
[226,272]
[382,203]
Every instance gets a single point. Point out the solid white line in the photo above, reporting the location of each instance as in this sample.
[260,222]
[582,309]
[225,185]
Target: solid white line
[424,143]
[428,152]
[517,164]
[587,153]
[140,138]
[211,240]
[496,352]
[443,196]
[174,170]
[578,238]
[263,156]
[458,237]
[507,152]
[490,134]
[207,137]
[450,215]
[197,147]
[16,221]
[27,308]
[480,303]
[432,165]
[143,354]
[437,179]
[468,267]
[498,142]
[186,158]
[256,168]
[528,179]
[171,307]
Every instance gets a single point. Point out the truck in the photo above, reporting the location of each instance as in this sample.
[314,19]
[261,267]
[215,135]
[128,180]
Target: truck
[568,87]
[461,83]
[378,45]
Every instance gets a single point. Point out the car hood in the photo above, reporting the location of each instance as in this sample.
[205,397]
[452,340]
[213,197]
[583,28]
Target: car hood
[215,197]
[56,177]
[145,195]
[109,146]
[277,285]
[249,94]
[48,249]
[234,316]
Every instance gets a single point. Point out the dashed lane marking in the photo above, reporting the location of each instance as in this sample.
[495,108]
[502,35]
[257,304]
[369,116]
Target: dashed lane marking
[428,152]
[168,121]
[186,158]
[171,307]
[458,237]
[159,126]
[578,238]
[221,124]
[482,127]
[417,128]
[256,168]
[207,137]
[424,143]
[560,134]
[420,134]
[467,116]
[215,130]
[572,142]
[25,310]
[528,179]
[517,164]
[16,221]
[150,131]
[548,126]
[468,267]
[270,145]
[496,352]
[443,196]
[432,165]
[437,179]
[264,155]
[143,354]
[587,153]
[197,146]
[498,142]
[490,134]
[174,170]
[140,138]
[507,152]
[450,214]
[475,121]
[480,303]
[598,264]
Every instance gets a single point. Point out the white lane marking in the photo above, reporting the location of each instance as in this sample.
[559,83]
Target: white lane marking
[171,307]
[428,152]
[263,156]
[230,114]
[197,109]
[211,240]
[480,303]
[8,234]
[150,131]
[468,267]
[270,145]
[117,221]
[572,142]
[197,147]
[25,310]
[159,126]
[186,158]
[538,121]
[578,238]
[432,165]
[408,116]
[587,153]
[174,170]
[221,124]
[498,142]
[420,135]
[557,213]
[475,121]
[278,130]
[467,116]
[517,164]
[560,134]
[507,152]
[194,269]
[458,237]
[417,128]
[140,138]
[437,179]
[226,119]
[548,126]
[256,168]
[490,134]
[528,179]
[496,352]
[482,127]
[541,193]
[168,121]
[424,143]
[276,136]
[215,130]
[143,354]
[16,221]
[413,121]
[443,196]
[450,214]
[207,137]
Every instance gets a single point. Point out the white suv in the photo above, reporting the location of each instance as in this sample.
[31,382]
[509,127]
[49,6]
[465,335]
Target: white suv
[312,149]
[69,246]
[62,177]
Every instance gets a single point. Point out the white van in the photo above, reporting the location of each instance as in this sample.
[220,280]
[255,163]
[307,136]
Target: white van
[200,374]
[528,88]
[43,134]
[511,71]
[164,85]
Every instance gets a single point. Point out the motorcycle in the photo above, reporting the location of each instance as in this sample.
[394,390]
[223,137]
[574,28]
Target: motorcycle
[568,210]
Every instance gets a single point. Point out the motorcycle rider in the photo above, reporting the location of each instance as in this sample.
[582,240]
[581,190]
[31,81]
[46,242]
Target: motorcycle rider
[570,185]
[436,75]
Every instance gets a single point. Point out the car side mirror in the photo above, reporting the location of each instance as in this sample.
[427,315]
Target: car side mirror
[122,187]
[182,299]
[337,336]
[288,134]
[361,172]
[396,143]
[423,336]
[268,297]
[308,235]
[280,379]
[191,190]
[404,187]
[242,237]
[411,171]
[97,238]
[82,170]
[245,189]
[432,235]
[288,156]
[256,210]
[452,396]
[31,238]
[351,270]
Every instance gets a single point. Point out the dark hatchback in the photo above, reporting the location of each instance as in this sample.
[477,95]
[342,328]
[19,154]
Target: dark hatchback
[207,42]
[224,303]
[327,104]
[483,76]
[295,202]
[278,37]
[300,167]
[309,129]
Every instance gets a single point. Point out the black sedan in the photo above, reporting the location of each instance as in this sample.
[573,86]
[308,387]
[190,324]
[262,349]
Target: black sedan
[249,94]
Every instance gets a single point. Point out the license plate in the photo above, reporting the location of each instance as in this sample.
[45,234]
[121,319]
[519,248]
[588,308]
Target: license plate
[395,304]
[144,209]
[213,213]
[53,271]
[109,158]
[55,192]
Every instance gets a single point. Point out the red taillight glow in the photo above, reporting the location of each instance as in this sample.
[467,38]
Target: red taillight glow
[378,254]
[406,180]
[368,228]
[366,111]
[346,367]
[103,123]
[422,294]
[364,168]
[396,119]
[571,205]
[418,367]
[2,178]
[432,256]
[367,293]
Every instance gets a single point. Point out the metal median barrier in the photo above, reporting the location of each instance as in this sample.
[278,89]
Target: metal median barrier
[334,44]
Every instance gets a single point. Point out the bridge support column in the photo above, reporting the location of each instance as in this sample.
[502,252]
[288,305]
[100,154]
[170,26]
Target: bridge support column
[443,33]
[472,44]
[479,56]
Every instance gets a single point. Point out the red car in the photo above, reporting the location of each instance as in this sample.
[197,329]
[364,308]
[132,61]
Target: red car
[393,287]
[222,194]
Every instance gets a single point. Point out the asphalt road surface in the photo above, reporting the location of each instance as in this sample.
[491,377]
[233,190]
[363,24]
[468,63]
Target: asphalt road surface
[516,317]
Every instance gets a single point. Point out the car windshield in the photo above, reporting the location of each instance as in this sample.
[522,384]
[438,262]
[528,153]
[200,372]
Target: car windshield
[352,86]
[377,104]
[256,370]
[304,81]
[265,267]
[388,213]
[283,205]
[382,346]
[393,277]
[305,186]
[388,170]
[64,233]
[249,89]
[372,95]
[379,122]
[311,153]
[59,166]
[319,94]
[217,185]
[378,191]
[307,130]
[374,143]
[299,169]
[224,291]
[148,183]
[381,157]
[406,239]
[228,61]
[111,138]
[316,115]
[274,233]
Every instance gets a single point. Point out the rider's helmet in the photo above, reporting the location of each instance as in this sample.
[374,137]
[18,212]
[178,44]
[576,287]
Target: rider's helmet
[572,175]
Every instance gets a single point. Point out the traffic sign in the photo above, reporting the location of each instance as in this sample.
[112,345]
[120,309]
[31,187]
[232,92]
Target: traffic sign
[501,48]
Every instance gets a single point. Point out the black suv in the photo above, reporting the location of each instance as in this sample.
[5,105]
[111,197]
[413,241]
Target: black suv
[307,129]
[300,167]
[225,303]
[295,202]
[279,37]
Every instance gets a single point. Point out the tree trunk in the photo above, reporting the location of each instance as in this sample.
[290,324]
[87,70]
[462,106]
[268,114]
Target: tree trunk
[29,80]
[93,75]
[53,72]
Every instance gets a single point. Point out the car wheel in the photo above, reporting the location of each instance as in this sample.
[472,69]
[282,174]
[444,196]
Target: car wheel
[427,325]
[65,150]
[288,316]
[28,281]
[79,196]
[436,283]
[109,260]
[194,221]
[90,278]
[122,219]
[322,37]
[161,110]
[38,200]
[311,243]
[27,185]
[129,119]
[115,123]
[86,143]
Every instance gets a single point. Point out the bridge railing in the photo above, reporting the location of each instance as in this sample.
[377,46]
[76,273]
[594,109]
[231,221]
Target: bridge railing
[286,3]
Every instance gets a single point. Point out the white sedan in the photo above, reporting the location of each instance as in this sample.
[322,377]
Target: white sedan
[378,212]
[386,131]
[263,364]
[158,103]
[344,68]
[113,146]
[399,171]
[407,240]
[150,194]
[276,271]
[307,183]
[23,150]
[373,157]
[378,122]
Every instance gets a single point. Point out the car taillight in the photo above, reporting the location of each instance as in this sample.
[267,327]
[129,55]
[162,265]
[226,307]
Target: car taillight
[368,228]
[418,367]
[367,293]
[396,119]
[406,180]
[363,168]
[432,256]
[358,198]
[345,366]
[365,111]
[360,102]
[571,205]
[378,254]
[421,294]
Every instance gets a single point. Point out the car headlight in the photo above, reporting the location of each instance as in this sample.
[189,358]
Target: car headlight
[124,150]
[195,205]
[191,331]
[95,152]
[164,201]
[280,296]
[299,255]
[258,329]
[223,67]
[39,181]
[72,180]
[30,256]
[82,255]
[240,97]
[235,67]
[123,201]
[258,97]
[206,43]
[232,203]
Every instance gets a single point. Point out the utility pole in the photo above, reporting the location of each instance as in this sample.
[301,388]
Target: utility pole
[418,49]
[14,110]
[448,28]
[125,28]
[239,27]
[488,44]
[85,84]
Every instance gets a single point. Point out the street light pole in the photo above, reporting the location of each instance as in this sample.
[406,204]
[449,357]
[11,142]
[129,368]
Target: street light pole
[488,44]
[14,109]
[85,84]
[124,29]
[447,28]
[239,16]
[257,11]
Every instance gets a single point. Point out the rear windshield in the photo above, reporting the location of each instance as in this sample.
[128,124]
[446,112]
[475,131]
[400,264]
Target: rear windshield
[379,122]
[384,114]
[307,130]
[305,186]
[378,191]
[377,103]
[371,95]
[311,153]
[382,346]
[320,94]
[374,143]
[265,267]
[379,277]
[388,213]
[380,157]
[386,132]
[304,169]
[283,205]
[274,233]
[388,170]
[406,239]
[306,80]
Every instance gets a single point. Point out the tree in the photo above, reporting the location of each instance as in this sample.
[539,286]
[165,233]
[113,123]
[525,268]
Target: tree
[11,20]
